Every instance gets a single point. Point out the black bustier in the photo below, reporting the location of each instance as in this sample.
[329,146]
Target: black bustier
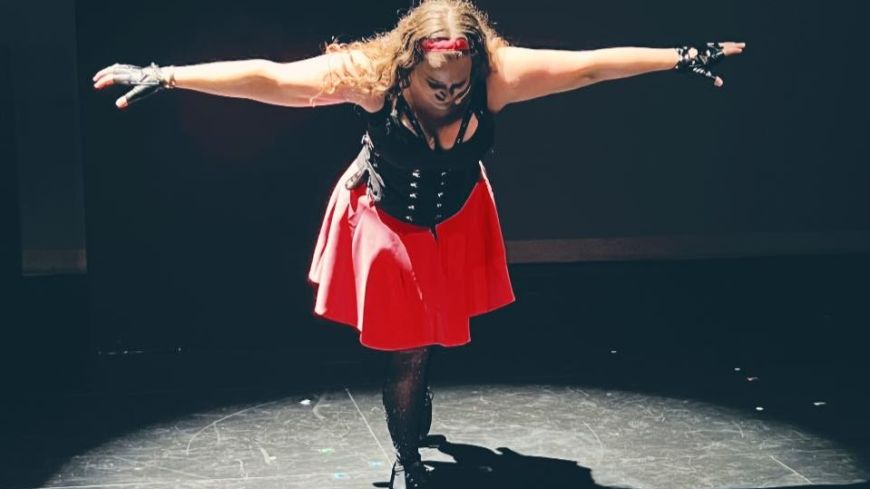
[410,181]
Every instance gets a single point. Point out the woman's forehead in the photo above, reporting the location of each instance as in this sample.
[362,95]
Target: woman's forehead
[452,70]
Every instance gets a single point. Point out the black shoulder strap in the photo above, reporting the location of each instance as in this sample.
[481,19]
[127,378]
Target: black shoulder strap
[481,102]
[477,105]
[406,109]
[465,119]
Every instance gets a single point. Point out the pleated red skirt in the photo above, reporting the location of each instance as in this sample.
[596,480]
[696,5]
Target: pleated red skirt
[399,285]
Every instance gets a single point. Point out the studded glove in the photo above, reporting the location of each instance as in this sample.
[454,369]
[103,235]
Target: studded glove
[707,56]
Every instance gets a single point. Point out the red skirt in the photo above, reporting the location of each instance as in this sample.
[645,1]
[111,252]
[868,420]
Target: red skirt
[399,285]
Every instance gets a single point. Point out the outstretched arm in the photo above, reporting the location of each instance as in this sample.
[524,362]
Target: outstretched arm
[293,84]
[525,74]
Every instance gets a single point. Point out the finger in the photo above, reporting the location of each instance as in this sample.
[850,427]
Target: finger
[717,81]
[104,81]
[103,71]
[124,76]
[130,96]
[109,78]
[705,73]
[141,92]
[136,92]
[733,47]
[118,73]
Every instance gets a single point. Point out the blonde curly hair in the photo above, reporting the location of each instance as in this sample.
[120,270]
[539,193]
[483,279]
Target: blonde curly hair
[391,56]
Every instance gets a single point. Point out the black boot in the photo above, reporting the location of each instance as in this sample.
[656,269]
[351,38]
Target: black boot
[411,476]
[404,399]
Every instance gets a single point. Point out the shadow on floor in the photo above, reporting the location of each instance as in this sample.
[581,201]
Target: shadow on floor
[477,466]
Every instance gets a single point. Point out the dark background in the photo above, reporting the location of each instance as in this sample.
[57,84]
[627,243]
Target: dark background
[187,222]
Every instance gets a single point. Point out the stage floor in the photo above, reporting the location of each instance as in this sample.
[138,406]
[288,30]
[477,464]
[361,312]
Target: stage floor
[617,422]
[672,375]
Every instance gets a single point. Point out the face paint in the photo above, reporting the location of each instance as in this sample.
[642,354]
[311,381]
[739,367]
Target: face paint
[440,89]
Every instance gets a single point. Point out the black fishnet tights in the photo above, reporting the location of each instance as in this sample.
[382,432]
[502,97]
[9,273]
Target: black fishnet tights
[404,390]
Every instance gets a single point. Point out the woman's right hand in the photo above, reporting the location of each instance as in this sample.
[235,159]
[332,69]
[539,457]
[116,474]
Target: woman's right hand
[146,81]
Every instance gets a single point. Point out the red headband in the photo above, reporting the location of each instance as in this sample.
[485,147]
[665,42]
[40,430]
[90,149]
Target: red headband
[441,45]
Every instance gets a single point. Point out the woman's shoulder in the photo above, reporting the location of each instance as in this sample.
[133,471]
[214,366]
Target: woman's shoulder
[373,103]
[354,63]
[496,84]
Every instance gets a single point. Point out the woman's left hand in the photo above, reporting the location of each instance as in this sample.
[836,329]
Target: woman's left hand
[699,60]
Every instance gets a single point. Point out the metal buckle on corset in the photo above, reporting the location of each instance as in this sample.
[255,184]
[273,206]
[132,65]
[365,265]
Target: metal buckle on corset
[366,170]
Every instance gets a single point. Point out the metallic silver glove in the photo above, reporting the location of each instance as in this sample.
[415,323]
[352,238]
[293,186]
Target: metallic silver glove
[146,80]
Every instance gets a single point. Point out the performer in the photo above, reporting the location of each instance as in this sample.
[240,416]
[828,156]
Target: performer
[410,246]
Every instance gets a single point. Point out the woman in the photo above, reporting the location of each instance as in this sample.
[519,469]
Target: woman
[410,246]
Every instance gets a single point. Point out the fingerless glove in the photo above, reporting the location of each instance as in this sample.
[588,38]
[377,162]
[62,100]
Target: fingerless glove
[708,56]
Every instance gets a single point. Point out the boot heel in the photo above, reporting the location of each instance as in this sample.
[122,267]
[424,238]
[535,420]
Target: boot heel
[413,476]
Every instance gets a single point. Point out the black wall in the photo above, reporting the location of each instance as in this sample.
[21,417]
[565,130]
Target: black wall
[10,245]
[780,149]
